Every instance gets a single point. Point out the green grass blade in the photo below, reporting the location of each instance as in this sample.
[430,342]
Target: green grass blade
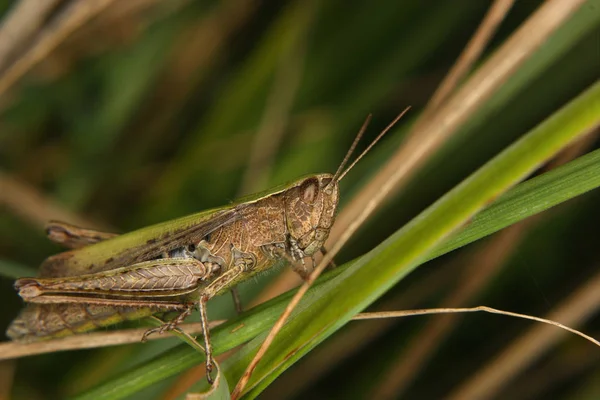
[521,202]
[527,199]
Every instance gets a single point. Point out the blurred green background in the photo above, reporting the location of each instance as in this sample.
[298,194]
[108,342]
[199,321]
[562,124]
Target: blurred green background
[155,109]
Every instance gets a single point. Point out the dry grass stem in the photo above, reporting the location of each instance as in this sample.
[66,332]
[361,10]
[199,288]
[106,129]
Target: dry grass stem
[20,24]
[428,311]
[469,56]
[91,340]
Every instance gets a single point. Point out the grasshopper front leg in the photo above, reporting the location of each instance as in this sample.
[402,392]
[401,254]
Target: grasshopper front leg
[74,237]
[213,289]
[243,262]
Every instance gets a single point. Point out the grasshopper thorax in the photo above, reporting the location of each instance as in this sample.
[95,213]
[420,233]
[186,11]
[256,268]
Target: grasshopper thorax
[310,209]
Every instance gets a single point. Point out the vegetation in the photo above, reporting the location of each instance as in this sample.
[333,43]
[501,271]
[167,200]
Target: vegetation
[145,111]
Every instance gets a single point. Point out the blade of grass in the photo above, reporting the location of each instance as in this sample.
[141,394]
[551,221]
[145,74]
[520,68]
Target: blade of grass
[527,199]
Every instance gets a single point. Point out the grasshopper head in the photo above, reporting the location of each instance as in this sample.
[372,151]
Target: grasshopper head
[310,212]
[311,203]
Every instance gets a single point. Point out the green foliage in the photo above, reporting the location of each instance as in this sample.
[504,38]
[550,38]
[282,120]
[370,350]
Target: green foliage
[152,116]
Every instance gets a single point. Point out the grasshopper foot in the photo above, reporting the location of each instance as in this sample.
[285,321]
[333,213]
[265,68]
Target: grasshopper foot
[209,369]
[171,325]
[148,333]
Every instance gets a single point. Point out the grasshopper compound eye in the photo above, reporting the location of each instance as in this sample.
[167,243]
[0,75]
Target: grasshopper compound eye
[310,191]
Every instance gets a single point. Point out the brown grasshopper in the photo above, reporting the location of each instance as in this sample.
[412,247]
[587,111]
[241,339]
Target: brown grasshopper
[179,264]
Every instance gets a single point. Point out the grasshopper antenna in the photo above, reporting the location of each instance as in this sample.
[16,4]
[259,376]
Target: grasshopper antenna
[362,130]
[373,143]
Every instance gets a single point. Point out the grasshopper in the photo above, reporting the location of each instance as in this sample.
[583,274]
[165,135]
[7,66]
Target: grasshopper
[177,265]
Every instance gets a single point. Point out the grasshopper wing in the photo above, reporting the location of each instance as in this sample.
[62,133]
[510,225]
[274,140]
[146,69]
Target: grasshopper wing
[137,246]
